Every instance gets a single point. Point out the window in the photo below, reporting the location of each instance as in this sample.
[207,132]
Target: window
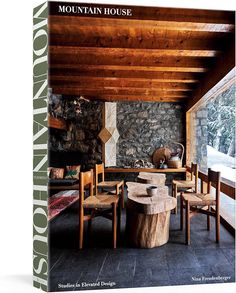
[211,138]
[213,134]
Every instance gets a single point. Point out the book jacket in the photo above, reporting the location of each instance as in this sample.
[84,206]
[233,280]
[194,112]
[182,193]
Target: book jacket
[134,146]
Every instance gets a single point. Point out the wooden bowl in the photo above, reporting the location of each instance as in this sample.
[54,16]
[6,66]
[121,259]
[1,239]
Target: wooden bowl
[161,154]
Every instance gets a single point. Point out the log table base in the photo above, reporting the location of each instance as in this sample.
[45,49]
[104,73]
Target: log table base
[148,218]
[148,231]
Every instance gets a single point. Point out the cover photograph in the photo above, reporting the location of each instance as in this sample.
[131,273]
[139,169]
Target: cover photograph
[134,146]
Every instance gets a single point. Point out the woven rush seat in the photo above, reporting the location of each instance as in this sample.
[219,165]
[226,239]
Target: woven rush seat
[199,199]
[101,201]
[114,187]
[110,183]
[204,203]
[184,183]
[102,204]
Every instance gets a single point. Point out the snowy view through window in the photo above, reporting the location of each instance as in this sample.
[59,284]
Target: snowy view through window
[212,142]
[221,134]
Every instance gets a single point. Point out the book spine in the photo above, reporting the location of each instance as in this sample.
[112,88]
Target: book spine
[40,147]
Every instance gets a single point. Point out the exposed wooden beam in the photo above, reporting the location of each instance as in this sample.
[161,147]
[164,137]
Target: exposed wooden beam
[87,91]
[137,40]
[100,82]
[131,30]
[193,20]
[129,53]
[72,91]
[144,68]
[158,53]
[123,89]
[110,98]
[129,60]
[135,75]
[224,64]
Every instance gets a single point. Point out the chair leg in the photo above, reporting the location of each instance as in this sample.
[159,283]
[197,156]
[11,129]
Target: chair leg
[208,220]
[123,195]
[175,195]
[90,222]
[217,225]
[181,212]
[172,194]
[114,224]
[81,228]
[119,218]
[89,226]
[187,226]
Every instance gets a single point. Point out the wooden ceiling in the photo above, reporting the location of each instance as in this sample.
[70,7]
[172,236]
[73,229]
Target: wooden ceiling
[166,55]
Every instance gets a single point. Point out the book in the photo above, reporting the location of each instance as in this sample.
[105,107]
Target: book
[134,134]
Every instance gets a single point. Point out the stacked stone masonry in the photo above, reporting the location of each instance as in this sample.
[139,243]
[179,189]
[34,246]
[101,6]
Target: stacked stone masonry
[143,127]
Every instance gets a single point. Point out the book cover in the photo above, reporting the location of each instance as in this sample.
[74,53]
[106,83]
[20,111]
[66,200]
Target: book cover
[134,146]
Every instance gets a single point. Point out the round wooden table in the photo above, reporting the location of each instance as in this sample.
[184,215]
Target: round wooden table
[148,218]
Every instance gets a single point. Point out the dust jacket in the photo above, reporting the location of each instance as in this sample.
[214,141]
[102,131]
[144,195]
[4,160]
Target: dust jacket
[134,146]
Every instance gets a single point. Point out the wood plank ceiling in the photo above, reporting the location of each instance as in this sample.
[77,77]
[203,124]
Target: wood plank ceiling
[166,56]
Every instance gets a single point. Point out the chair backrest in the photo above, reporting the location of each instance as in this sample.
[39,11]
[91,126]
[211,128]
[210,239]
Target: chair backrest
[99,169]
[194,175]
[85,180]
[214,177]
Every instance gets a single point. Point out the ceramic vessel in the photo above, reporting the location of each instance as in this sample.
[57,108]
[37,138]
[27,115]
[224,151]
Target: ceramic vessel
[152,190]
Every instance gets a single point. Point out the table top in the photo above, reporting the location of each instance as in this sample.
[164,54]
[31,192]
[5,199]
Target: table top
[138,199]
[152,178]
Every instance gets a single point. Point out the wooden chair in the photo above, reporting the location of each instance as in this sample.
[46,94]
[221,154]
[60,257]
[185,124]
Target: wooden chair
[118,186]
[98,205]
[186,184]
[194,203]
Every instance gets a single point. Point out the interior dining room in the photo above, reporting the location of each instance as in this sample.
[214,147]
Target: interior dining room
[141,122]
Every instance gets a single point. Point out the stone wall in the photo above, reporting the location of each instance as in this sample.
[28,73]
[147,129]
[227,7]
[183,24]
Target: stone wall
[199,141]
[82,136]
[88,127]
[214,125]
[145,126]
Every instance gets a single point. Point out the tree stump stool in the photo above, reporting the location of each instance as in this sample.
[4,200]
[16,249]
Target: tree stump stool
[148,218]
[158,179]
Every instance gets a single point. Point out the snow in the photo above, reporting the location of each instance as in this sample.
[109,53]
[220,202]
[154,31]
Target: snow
[221,162]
